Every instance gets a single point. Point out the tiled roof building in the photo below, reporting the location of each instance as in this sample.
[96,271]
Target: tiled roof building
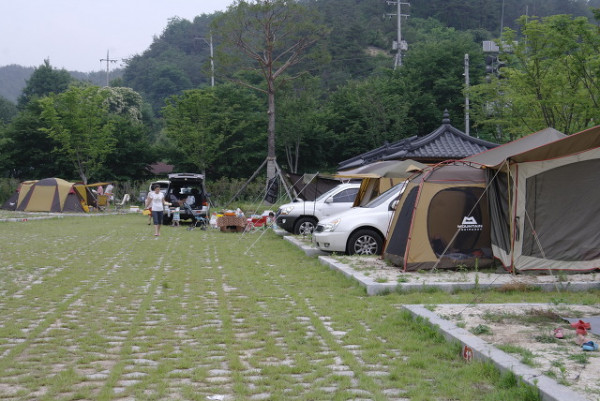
[444,143]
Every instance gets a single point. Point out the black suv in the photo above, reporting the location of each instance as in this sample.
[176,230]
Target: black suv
[186,188]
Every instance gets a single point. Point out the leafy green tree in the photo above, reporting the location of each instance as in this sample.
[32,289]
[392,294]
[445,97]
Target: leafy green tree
[551,79]
[366,114]
[190,123]
[78,121]
[8,110]
[217,130]
[133,151]
[300,125]
[44,81]
[433,72]
[27,152]
[272,37]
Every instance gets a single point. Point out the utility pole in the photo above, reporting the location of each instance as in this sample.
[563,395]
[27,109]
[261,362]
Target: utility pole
[502,19]
[108,60]
[212,58]
[467,121]
[400,44]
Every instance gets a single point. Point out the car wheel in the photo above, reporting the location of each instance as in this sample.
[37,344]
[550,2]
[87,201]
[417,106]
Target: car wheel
[365,242]
[305,226]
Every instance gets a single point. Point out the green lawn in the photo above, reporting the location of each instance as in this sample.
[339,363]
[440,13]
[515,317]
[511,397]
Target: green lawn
[97,308]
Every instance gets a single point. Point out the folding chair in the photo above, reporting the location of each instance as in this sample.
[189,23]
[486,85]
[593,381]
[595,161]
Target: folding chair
[123,202]
[102,202]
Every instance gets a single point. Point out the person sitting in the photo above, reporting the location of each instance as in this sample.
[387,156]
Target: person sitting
[191,200]
[175,200]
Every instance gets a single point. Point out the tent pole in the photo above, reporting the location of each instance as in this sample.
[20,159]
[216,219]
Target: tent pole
[246,183]
[285,186]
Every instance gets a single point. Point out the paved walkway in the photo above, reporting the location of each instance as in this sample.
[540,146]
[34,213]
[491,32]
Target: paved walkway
[108,311]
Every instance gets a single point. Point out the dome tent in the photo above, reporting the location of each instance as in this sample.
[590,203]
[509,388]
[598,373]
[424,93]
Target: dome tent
[50,195]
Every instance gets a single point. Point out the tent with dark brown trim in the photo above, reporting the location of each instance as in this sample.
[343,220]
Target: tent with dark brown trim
[545,205]
[442,220]
[50,195]
[532,203]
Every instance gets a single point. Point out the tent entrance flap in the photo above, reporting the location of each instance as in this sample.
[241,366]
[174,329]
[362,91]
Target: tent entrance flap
[458,222]
[399,232]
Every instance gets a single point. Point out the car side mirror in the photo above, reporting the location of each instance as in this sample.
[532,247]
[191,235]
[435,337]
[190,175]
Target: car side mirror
[394,204]
[329,200]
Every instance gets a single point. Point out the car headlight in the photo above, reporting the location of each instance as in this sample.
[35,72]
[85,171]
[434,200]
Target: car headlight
[331,226]
[287,210]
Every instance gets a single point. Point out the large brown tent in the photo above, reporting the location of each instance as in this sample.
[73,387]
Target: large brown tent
[544,213]
[444,218]
[545,204]
[50,195]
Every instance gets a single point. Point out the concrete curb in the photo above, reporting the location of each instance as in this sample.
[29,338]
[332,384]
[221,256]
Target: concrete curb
[58,216]
[549,389]
[374,288]
[309,250]
[280,232]
[23,219]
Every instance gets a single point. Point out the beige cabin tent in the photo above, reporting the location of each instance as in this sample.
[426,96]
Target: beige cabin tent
[545,205]
[438,223]
[380,176]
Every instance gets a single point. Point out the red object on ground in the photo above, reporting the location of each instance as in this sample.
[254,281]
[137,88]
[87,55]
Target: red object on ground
[581,327]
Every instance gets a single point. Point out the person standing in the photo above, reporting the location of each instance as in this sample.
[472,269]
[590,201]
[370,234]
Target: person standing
[109,194]
[156,201]
[176,217]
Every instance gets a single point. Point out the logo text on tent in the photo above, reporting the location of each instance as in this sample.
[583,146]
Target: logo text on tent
[470,224]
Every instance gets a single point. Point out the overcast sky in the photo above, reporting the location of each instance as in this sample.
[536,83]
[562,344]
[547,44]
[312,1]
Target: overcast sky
[76,34]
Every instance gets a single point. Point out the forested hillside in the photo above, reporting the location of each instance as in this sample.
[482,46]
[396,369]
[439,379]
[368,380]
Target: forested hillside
[13,79]
[345,99]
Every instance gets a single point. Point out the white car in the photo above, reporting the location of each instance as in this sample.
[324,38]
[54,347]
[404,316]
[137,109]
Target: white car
[300,218]
[360,230]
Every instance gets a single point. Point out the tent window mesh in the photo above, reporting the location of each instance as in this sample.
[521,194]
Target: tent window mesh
[563,213]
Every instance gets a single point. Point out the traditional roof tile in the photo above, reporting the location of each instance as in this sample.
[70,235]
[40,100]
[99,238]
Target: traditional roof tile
[444,143]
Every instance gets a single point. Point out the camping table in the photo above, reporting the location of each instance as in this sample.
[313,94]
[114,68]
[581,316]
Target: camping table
[231,223]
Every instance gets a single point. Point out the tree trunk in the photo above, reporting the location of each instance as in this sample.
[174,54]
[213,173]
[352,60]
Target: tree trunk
[271,157]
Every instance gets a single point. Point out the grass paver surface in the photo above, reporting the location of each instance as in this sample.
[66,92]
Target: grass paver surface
[100,309]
